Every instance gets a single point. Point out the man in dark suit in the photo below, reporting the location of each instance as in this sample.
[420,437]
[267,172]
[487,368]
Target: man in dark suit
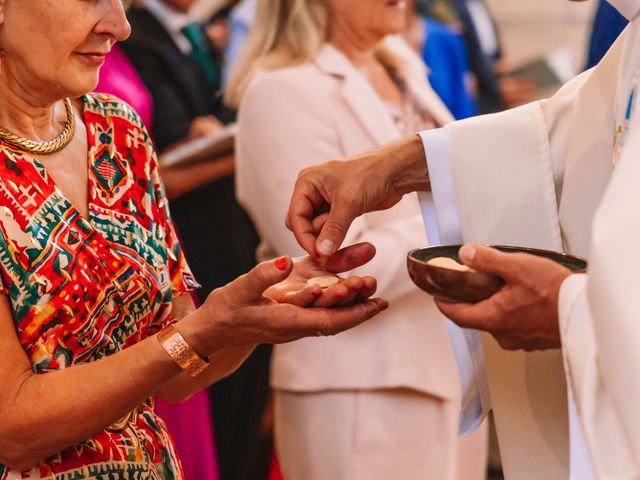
[170,54]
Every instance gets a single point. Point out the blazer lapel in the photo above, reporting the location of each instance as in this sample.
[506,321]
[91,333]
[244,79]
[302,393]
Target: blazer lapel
[358,95]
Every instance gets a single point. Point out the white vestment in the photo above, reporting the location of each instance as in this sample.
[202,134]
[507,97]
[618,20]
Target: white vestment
[535,176]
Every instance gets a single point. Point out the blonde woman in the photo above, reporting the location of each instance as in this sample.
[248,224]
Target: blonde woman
[320,80]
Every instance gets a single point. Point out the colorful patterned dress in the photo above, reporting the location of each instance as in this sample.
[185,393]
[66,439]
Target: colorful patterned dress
[82,289]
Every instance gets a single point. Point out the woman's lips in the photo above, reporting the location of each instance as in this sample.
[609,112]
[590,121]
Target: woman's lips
[95,58]
[397,4]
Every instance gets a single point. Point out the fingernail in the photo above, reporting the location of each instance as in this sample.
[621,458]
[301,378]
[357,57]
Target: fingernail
[281,263]
[467,253]
[326,247]
[372,309]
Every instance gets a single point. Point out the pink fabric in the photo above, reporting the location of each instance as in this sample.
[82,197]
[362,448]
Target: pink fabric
[118,77]
[190,423]
[274,469]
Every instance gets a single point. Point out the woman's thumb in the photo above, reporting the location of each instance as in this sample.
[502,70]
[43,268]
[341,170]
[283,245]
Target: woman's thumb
[264,275]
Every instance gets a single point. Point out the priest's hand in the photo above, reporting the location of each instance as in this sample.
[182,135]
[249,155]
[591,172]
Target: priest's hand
[524,313]
[328,197]
[296,290]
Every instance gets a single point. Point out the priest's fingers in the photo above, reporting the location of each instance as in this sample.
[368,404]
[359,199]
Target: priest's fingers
[350,257]
[318,222]
[479,316]
[306,203]
[515,268]
[335,228]
[506,265]
[523,314]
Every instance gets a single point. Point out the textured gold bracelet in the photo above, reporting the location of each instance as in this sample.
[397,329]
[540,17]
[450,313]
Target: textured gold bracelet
[180,351]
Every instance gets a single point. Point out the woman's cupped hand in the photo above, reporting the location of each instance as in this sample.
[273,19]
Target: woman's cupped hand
[273,303]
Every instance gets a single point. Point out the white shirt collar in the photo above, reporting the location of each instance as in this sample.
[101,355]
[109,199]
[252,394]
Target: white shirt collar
[628,8]
[173,21]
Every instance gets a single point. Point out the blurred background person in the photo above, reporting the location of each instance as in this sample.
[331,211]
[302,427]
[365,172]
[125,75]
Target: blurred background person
[441,47]
[218,32]
[445,54]
[181,69]
[241,19]
[608,23]
[321,80]
[496,88]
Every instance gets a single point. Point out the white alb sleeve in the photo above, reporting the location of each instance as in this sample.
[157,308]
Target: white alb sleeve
[442,223]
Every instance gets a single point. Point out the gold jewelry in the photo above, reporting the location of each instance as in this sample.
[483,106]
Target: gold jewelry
[180,351]
[44,148]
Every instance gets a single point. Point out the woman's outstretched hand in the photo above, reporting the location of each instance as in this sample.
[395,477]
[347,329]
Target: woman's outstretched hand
[250,310]
[296,290]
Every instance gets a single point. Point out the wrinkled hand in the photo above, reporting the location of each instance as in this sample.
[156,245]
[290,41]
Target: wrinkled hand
[524,313]
[295,290]
[327,198]
[241,314]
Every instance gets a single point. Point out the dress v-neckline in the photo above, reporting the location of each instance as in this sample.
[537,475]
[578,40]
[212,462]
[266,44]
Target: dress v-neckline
[47,178]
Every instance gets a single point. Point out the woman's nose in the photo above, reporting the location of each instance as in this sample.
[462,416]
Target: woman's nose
[114,20]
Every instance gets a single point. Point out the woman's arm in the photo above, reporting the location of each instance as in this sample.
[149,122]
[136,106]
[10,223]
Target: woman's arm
[223,362]
[41,414]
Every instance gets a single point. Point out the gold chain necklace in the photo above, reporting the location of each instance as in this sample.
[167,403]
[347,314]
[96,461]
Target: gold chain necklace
[44,148]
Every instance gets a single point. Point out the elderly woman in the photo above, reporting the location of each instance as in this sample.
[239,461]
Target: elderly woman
[94,319]
[326,79]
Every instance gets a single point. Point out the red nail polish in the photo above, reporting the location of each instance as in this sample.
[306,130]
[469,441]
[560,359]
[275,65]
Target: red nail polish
[281,263]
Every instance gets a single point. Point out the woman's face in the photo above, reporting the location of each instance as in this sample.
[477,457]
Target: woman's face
[376,18]
[54,48]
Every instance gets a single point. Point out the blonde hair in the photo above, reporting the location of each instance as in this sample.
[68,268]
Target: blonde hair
[291,32]
[285,33]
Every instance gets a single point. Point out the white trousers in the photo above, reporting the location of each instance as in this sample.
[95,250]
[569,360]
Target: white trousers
[374,435]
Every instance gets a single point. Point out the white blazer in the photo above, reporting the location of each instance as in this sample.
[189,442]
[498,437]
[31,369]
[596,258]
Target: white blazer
[289,119]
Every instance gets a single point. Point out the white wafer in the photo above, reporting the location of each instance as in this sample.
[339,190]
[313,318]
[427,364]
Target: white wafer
[323,281]
[450,263]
